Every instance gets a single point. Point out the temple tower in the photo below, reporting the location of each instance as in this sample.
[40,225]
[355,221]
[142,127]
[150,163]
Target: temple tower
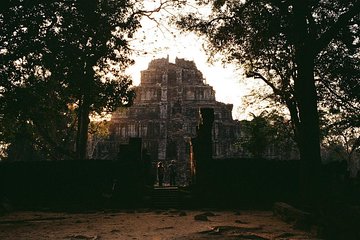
[165,115]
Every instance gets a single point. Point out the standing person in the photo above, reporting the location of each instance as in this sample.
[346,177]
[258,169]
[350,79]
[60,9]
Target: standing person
[172,167]
[160,173]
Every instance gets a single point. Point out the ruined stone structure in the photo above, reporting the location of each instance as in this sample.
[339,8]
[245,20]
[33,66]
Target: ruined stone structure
[165,115]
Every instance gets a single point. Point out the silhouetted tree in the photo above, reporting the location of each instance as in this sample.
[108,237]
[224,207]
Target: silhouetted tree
[266,131]
[56,57]
[98,131]
[343,144]
[280,42]
[257,135]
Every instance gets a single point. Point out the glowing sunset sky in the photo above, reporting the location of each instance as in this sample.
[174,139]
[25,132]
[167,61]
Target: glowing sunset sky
[152,42]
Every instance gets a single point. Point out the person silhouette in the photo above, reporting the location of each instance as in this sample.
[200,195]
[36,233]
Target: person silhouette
[160,173]
[172,168]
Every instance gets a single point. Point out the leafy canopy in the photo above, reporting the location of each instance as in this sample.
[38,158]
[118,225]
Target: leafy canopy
[57,59]
[268,37]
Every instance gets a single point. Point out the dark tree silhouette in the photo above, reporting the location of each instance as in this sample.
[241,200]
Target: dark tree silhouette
[265,131]
[54,59]
[257,138]
[280,42]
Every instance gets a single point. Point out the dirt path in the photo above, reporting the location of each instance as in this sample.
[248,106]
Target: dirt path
[147,225]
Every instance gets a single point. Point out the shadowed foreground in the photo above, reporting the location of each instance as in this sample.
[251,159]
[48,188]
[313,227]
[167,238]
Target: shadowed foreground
[147,224]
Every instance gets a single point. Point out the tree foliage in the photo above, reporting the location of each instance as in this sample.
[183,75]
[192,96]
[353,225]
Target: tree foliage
[293,47]
[98,131]
[268,135]
[61,61]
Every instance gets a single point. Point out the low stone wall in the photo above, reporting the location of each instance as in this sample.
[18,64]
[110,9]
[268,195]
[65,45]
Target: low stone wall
[248,183]
[87,183]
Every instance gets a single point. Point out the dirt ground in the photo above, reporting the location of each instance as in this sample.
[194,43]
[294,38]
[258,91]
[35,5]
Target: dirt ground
[147,225]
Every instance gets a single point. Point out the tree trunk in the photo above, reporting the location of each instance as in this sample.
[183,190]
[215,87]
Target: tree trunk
[83,125]
[309,140]
[306,97]
[84,112]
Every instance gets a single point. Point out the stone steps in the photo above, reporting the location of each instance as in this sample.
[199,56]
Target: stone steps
[165,197]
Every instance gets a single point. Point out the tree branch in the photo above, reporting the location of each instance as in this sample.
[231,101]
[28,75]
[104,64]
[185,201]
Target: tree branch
[342,22]
[342,101]
[270,84]
[289,101]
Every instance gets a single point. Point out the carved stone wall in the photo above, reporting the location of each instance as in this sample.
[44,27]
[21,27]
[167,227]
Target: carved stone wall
[165,115]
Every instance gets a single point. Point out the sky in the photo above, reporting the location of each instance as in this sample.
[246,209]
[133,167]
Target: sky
[157,40]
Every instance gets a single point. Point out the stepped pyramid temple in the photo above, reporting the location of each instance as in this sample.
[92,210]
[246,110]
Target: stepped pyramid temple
[165,115]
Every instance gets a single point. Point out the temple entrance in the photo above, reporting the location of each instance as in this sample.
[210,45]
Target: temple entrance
[172,150]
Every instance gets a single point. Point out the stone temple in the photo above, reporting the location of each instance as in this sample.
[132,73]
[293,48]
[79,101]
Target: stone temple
[165,115]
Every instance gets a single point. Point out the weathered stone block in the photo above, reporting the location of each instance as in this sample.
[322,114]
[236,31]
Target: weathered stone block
[290,214]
